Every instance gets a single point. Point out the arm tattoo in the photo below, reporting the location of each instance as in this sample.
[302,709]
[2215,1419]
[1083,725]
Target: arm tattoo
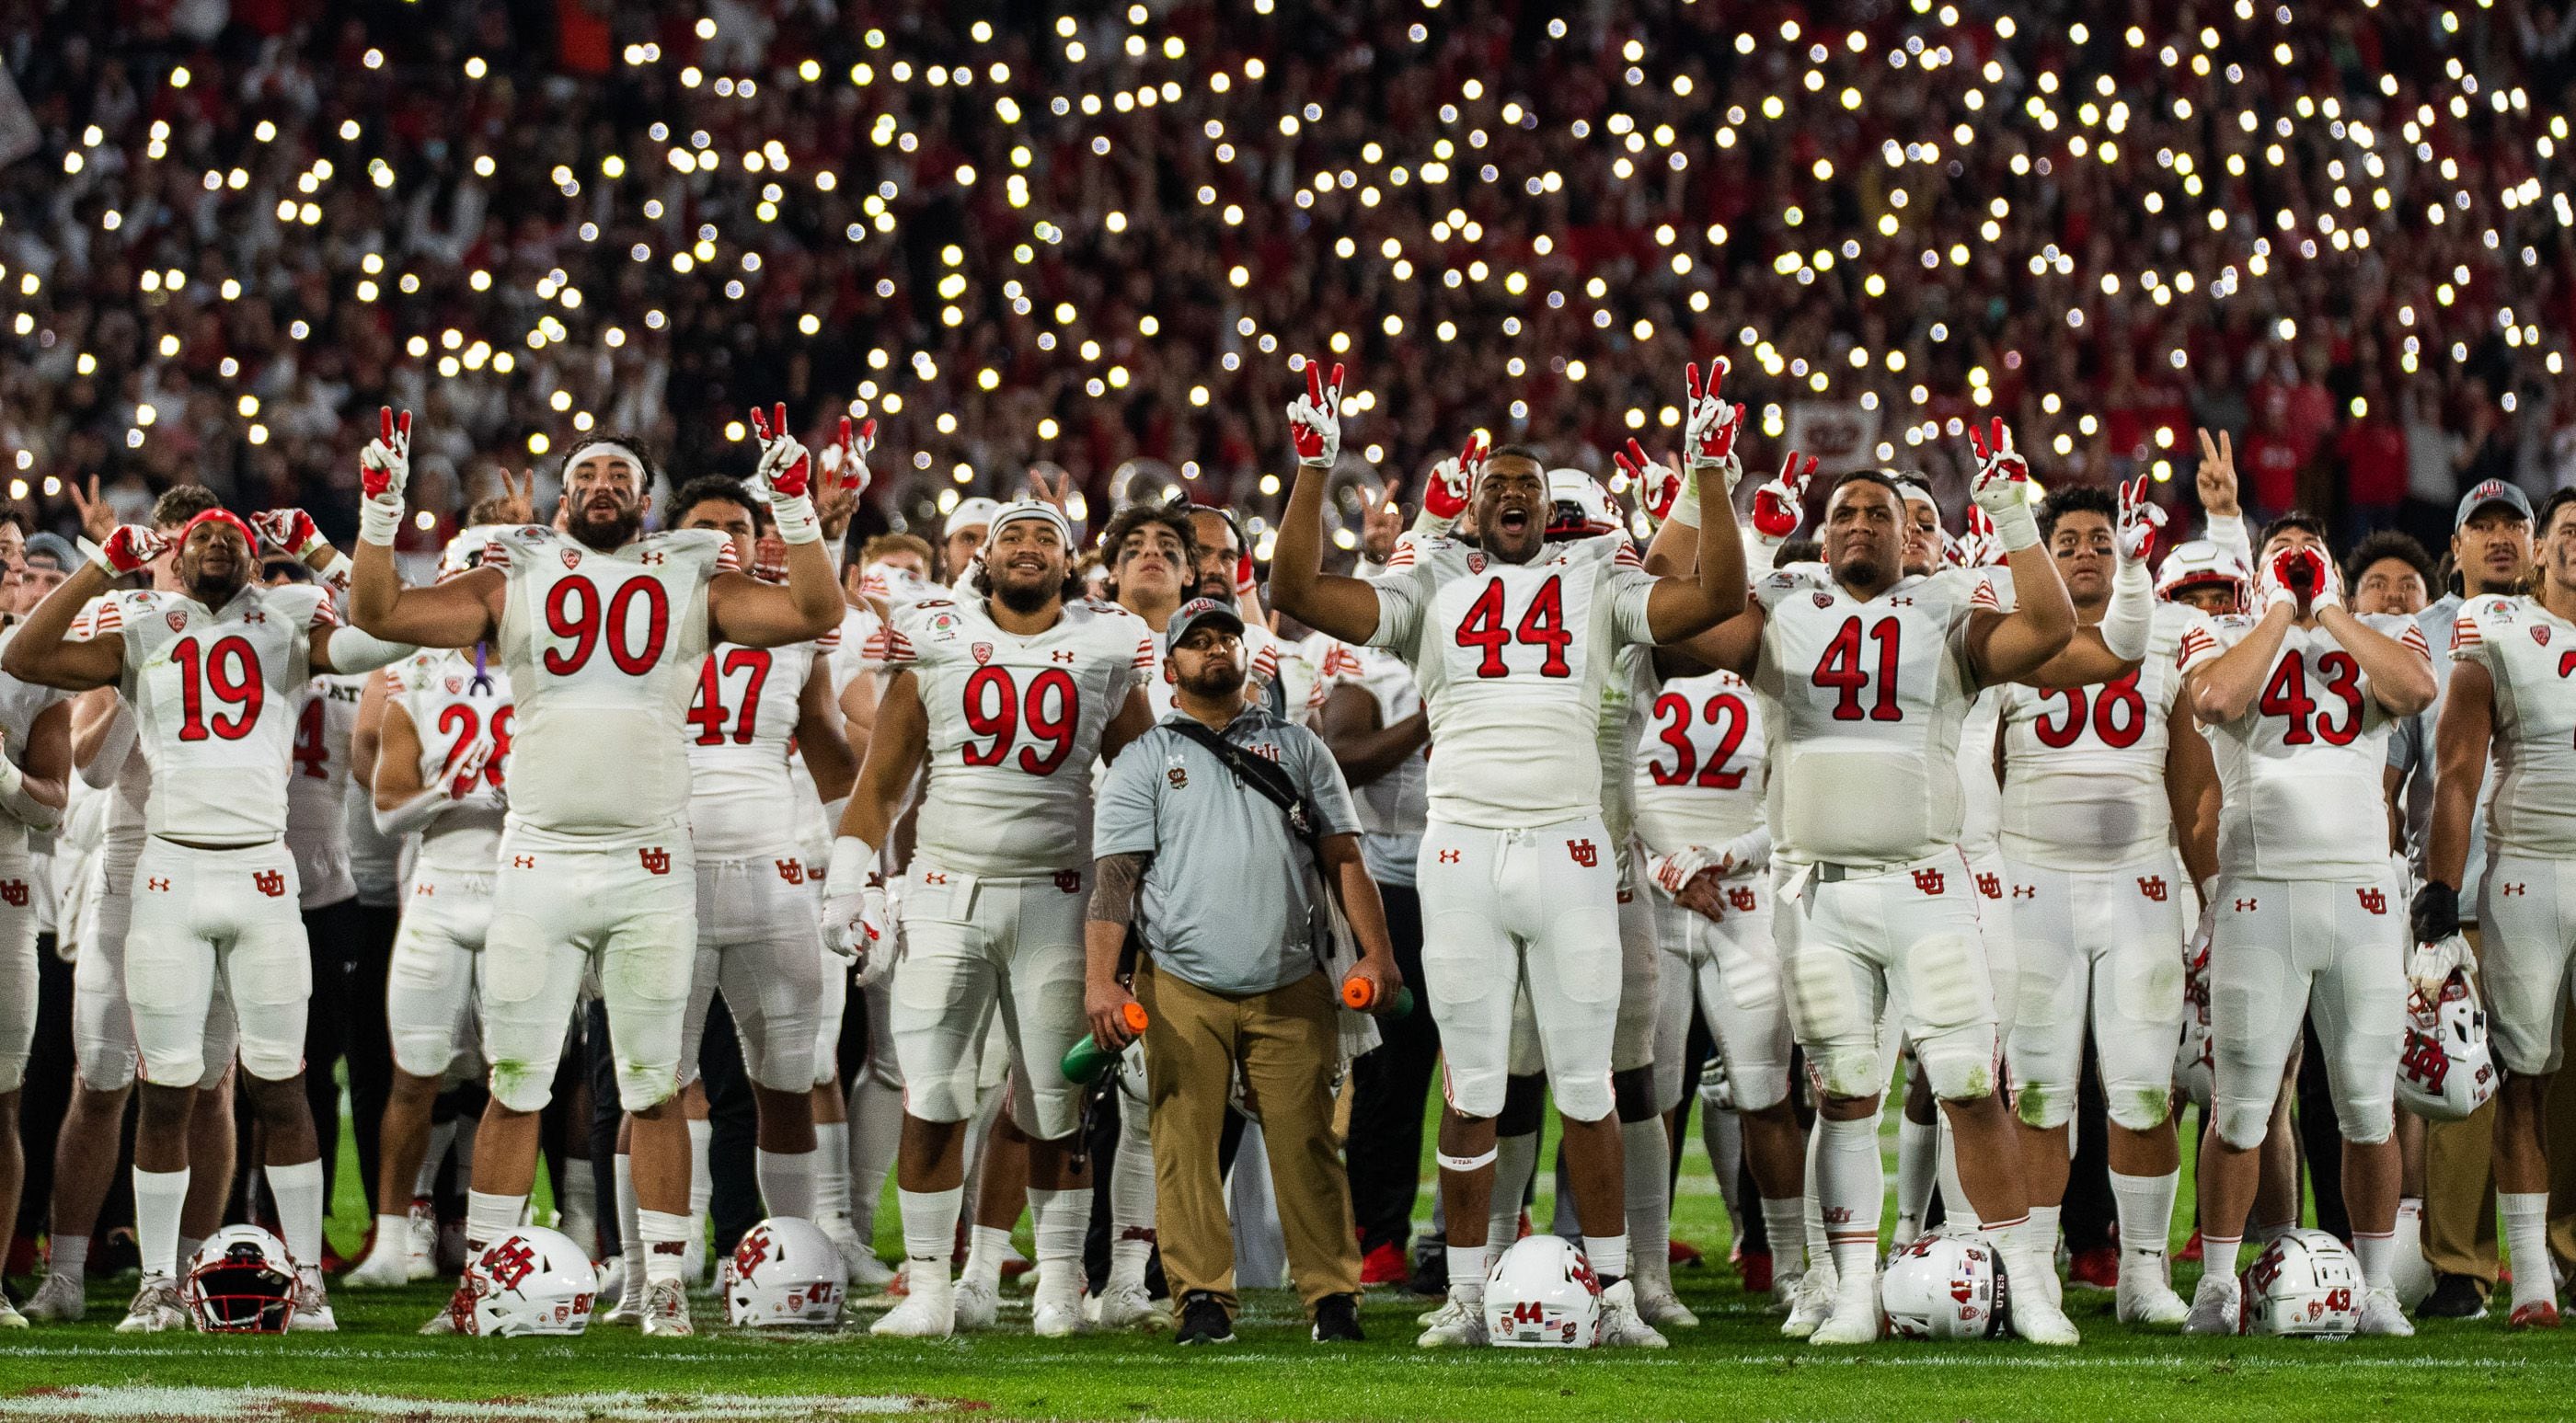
[1117,881]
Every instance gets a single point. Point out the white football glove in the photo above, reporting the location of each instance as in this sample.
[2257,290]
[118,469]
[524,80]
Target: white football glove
[2002,487]
[856,923]
[384,469]
[2430,966]
[1315,421]
[1672,873]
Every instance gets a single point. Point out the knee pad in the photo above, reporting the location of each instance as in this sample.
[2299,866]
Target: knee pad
[2139,1106]
[1634,1092]
[1945,980]
[1585,1099]
[1959,1064]
[2045,1105]
[1524,1106]
[1845,1071]
[2242,1123]
[2368,1121]
[527,1086]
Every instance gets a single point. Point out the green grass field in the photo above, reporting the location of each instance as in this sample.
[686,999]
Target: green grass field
[1735,1365]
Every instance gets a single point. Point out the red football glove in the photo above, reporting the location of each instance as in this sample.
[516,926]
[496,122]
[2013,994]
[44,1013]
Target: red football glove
[129,550]
[845,460]
[1780,505]
[1658,487]
[1314,420]
[1453,482]
[384,466]
[1712,425]
[289,531]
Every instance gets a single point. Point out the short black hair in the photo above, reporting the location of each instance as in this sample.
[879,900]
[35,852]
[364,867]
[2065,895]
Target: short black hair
[2387,543]
[1798,551]
[710,486]
[1532,453]
[2295,519]
[1175,517]
[182,502]
[1879,477]
[2558,499]
[2077,499]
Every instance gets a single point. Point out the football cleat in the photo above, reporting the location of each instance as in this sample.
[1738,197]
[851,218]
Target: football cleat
[2040,1321]
[666,1311]
[442,1322]
[1458,1324]
[1385,1265]
[628,1312]
[693,1257]
[10,1318]
[1810,1300]
[1128,1306]
[1855,1315]
[1660,1307]
[156,1308]
[2095,1269]
[924,1314]
[2539,1314]
[2382,1315]
[2145,1296]
[387,1263]
[859,1264]
[420,1243]
[312,1303]
[2215,1306]
[975,1305]
[60,1298]
[1055,1308]
[1622,1327]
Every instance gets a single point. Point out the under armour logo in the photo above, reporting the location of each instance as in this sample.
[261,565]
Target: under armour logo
[2509,889]
[2153,887]
[791,871]
[657,861]
[271,883]
[934,877]
[14,892]
[2372,900]
[254,616]
[159,884]
[1583,853]
[2025,891]
[1991,886]
[1065,656]
[652,558]
[1448,857]
[2245,906]
[1930,881]
[523,862]
[425,890]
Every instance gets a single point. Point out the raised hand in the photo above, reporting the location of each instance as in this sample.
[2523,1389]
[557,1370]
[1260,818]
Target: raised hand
[1709,432]
[2301,577]
[128,548]
[1059,493]
[845,475]
[518,501]
[288,531]
[1661,488]
[1382,523]
[786,466]
[1779,506]
[1453,482]
[1977,548]
[2217,477]
[98,518]
[1314,419]
[384,470]
[2140,518]
[2002,486]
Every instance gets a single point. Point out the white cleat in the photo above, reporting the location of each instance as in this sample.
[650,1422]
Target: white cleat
[420,1242]
[59,1299]
[1855,1316]
[1055,1310]
[2042,1322]
[628,1312]
[1128,1306]
[312,1303]
[10,1318]
[859,1264]
[924,1314]
[1660,1307]
[976,1306]
[666,1311]
[2214,1306]
[1458,1324]
[1810,1300]
[693,1257]
[387,1266]
[1621,1326]
[2145,1296]
[1784,1290]
[155,1309]
[2381,1315]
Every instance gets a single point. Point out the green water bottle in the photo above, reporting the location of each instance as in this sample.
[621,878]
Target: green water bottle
[1086,1061]
[1358,994]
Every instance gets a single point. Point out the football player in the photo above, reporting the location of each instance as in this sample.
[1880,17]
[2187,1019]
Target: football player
[2512,698]
[604,631]
[1872,673]
[1510,643]
[213,673]
[1008,696]
[35,772]
[2299,703]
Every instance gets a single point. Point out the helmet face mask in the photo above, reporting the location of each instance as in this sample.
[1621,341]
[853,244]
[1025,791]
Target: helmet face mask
[1542,1295]
[240,1281]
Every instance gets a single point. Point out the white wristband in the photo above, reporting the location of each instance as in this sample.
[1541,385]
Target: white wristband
[379,520]
[2131,615]
[2017,528]
[853,860]
[1685,511]
[797,523]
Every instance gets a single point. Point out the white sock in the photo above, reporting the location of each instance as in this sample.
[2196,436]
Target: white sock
[297,1189]
[1647,1155]
[831,1172]
[702,1184]
[1058,1220]
[2218,1254]
[2146,1211]
[666,1242]
[393,1233]
[630,1236]
[2525,1217]
[1957,1211]
[1515,1162]
[68,1256]
[442,1137]
[786,1182]
[929,1234]
[1851,1187]
[987,1247]
[2266,1234]
[2029,1253]
[159,1197]
[489,1216]
[1609,1257]
[1131,1199]
[876,1136]
[1917,1144]
[577,1204]
[2043,1228]
[1467,1271]
[2377,1254]
[1784,1225]
[1723,1134]
[1811,1210]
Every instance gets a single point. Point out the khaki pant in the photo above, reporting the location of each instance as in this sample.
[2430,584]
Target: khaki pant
[1285,1044]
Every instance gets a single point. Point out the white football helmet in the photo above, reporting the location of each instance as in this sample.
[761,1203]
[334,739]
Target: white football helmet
[465,551]
[2446,1072]
[530,1281]
[2199,561]
[1946,1285]
[785,1271]
[240,1281]
[1578,507]
[1542,1295]
[2196,1059]
[2306,1282]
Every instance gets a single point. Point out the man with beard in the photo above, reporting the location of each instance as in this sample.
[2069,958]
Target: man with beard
[214,673]
[1009,697]
[603,634]
[1511,643]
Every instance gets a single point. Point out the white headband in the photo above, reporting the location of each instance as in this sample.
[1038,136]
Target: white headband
[968,513]
[1914,493]
[592,449]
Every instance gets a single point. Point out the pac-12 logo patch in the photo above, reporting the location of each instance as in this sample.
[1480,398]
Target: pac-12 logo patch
[571,557]
[983,653]
[178,621]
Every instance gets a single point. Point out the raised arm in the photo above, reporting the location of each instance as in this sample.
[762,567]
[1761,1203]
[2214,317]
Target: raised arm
[1680,608]
[1344,607]
[39,653]
[2401,675]
[457,613]
[757,614]
[2009,647]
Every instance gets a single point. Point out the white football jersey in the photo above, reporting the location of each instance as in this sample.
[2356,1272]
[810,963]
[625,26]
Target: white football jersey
[604,649]
[216,693]
[1865,705]
[1703,765]
[858,629]
[453,705]
[317,821]
[20,704]
[1513,660]
[2530,653]
[742,720]
[1015,726]
[2301,770]
[2084,767]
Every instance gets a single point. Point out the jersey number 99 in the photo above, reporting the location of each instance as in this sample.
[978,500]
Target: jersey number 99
[996,708]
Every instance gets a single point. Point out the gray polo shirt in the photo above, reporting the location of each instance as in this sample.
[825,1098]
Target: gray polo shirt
[2410,750]
[1231,898]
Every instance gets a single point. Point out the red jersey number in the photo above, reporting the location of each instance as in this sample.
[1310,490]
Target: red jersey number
[1725,712]
[1542,626]
[459,723]
[1841,670]
[707,713]
[228,672]
[312,746]
[1049,712]
[574,614]
[2286,696]
[2118,715]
